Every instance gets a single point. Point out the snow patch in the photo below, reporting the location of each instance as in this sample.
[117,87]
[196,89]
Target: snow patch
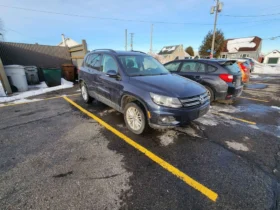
[189,130]
[234,45]
[2,91]
[254,127]
[254,76]
[266,69]
[42,88]
[275,107]
[237,146]
[168,138]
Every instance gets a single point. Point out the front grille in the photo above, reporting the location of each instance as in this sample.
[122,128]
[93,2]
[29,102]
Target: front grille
[195,100]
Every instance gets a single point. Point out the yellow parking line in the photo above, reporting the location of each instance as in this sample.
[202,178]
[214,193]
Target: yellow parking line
[44,99]
[254,99]
[187,179]
[235,118]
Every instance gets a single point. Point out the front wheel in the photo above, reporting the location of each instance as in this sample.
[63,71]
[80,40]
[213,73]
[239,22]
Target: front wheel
[134,118]
[210,93]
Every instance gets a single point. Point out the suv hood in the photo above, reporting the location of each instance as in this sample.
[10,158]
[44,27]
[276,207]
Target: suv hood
[171,85]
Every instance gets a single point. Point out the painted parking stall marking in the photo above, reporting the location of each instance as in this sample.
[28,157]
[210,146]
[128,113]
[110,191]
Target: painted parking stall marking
[235,118]
[254,99]
[175,171]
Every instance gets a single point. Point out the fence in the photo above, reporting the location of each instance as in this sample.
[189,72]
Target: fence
[43,56]
[78,53]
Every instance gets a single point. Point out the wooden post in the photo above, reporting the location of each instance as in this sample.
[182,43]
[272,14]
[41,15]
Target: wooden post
[84,43]
[4,79]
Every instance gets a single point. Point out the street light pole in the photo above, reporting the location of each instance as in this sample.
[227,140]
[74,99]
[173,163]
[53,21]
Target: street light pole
[217,9]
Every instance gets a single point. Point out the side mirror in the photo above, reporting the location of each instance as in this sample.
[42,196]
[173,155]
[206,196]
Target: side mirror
[112,73]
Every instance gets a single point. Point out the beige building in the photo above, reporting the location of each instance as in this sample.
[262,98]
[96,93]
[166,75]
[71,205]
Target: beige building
[170,53]
[67,42]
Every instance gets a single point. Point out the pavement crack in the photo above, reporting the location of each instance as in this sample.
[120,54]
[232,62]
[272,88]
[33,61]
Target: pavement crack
[106,177]
[63,174]
[32,121]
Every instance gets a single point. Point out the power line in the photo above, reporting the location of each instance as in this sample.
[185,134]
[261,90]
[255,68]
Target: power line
[251,15]
[127,20]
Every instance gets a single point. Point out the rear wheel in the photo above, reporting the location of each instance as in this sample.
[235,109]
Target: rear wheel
[86,97]
[210,93]
[134,118]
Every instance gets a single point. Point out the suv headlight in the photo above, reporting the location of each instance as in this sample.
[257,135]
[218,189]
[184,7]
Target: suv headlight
[166,101]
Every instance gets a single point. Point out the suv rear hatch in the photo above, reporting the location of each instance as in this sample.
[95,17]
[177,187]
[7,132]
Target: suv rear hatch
[234,76]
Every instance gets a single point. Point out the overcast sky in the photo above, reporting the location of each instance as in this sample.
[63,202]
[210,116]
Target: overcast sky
[37,27]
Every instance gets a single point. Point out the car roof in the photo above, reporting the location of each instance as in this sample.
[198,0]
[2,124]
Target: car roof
[118,52]
[219,61]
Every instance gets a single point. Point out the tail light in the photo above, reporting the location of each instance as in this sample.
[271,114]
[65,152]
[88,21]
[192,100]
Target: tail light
[244,68]
[226,77]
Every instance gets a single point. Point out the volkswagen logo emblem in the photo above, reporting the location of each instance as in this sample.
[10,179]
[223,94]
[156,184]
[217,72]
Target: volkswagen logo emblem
[201,99]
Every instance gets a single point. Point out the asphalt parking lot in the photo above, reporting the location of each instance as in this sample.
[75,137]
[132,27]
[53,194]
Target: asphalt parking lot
[53,155]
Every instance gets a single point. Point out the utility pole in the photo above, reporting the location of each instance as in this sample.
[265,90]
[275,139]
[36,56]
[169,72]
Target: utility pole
[131,41]
[216,9]
[125,46]
[151,44]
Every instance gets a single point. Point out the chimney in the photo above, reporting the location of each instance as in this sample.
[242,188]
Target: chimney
[63,40]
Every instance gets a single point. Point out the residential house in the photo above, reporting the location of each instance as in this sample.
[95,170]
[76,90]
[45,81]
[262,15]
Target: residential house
[170,53]
[272,57]
[242,48]
[67,42]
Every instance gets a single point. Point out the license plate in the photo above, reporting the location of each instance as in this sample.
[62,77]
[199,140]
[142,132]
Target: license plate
[238,82]
[203,111]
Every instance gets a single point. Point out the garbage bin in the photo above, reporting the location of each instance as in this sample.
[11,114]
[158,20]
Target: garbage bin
[16,76]
[68,72]
[52,76]
[31,75]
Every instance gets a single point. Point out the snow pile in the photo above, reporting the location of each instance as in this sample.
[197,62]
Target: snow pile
[234,45]
[266,69]
[41,89]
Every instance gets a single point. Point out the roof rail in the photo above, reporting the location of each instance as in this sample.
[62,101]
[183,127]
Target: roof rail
[138,51]
[104,49]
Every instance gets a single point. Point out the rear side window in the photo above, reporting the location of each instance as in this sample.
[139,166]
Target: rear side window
[190,67]
[172,66]
[232,68]
[94,61]
[211,68]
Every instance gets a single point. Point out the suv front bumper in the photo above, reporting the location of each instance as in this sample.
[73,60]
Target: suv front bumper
[170,117]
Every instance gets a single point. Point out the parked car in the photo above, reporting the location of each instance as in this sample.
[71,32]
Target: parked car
[245,69]
[138,86]
[221,78]
[252,63]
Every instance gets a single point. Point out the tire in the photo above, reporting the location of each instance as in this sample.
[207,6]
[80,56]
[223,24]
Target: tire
[84,92]
[132,112]
[210,93]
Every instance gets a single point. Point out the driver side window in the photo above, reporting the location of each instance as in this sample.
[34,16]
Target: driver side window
[109,63]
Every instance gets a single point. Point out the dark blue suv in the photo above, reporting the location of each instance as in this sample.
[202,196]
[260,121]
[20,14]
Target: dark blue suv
[138,86]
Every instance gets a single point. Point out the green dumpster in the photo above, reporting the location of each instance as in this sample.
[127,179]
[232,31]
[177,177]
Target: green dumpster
[52,76]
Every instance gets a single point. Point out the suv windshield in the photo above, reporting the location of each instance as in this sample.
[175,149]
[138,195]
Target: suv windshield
[141,65]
